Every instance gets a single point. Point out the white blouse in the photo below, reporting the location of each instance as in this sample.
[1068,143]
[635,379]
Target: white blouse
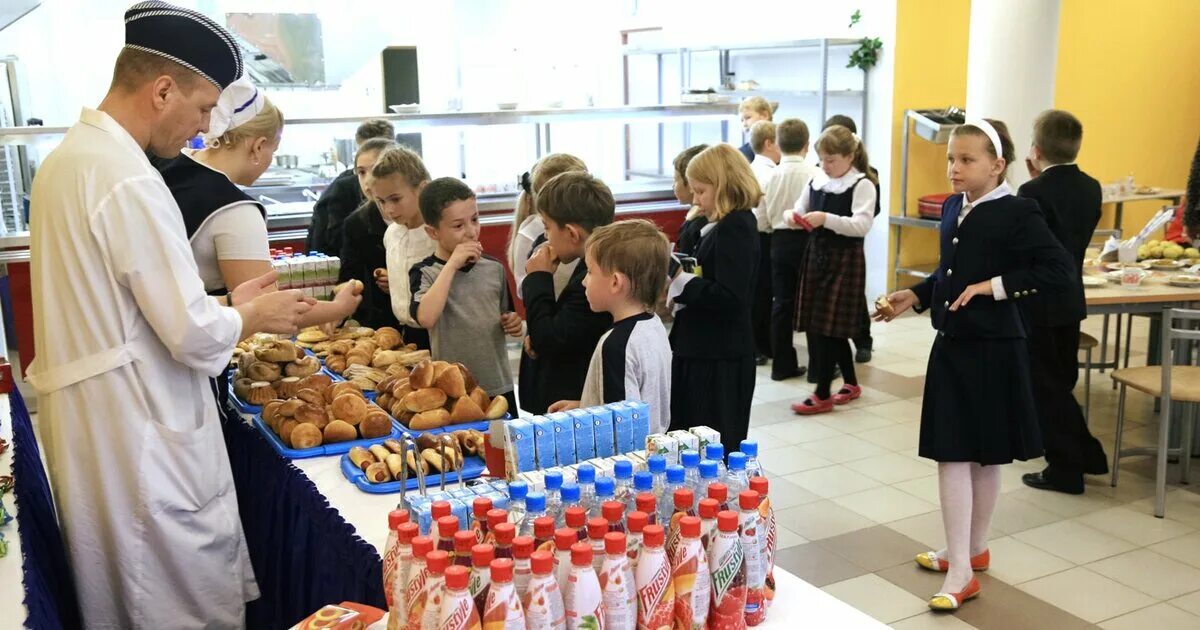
[862,204]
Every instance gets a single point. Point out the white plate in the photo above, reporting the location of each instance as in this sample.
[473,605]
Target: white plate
[1181,280]
[407,108]
[1093,281]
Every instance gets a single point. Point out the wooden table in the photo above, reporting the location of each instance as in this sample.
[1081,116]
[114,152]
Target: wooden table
[1152,296]
[1174,195]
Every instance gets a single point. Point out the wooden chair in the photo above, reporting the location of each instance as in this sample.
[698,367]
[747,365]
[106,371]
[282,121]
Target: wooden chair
[1087,344]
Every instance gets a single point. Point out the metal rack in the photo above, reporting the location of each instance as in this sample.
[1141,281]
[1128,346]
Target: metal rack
[724,51]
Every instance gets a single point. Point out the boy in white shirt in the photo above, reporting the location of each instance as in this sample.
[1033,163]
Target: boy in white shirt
[766,156]
[787,243]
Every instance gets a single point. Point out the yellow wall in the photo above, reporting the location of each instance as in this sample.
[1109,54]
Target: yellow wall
[1127,69]
[931,72]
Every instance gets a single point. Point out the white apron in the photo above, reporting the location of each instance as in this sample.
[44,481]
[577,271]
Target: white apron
[126,340]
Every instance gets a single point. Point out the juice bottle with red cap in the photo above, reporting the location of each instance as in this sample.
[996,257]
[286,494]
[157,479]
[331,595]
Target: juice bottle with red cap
[438,561]
[495,517]
[564,537]
[543,603]
[582,597]
[748,521]
[577,520]
[767,534]
[596,529]
[391,552]
[656,592]
[618,584]
[720,492]
[464,540]
[398,605]
[646,502]
[481,573]
[416,590]
[636,521]
[438,510]
[727,610]
[614,513]
[457,611]
[503,610]
[503,534]
[708,521]
[690,574]
[684,500]
[543,534]
[446,527]
[522,552]
[479,520]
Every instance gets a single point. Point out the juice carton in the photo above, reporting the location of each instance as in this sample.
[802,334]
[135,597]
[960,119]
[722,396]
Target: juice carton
[564,438]
[602,429]
[585,440]
[687,440]
[543,437]
[622,425]
[706,436]
[663,444]
[519,449]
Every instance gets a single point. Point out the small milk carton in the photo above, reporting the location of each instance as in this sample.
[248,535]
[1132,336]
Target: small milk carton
[622,425]
[535,480]
[543,437]
[564,438]
[663,444]
[706,436]
[602,429]
[639,460]
[687,440]
[585,440]
[312,274]
[519,449]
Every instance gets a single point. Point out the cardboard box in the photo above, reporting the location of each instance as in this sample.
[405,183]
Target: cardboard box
[585,440]
[622,426]
[706,436]
[602,429]
[688,441]
[543,437]
[641,423]
[663,444]
[564,439]
[519,449]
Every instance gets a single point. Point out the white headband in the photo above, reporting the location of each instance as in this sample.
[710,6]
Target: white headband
[239,103]
[990,131]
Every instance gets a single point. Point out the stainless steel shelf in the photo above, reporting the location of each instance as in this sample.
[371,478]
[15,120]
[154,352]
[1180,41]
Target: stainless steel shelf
[796,43]
[915,222]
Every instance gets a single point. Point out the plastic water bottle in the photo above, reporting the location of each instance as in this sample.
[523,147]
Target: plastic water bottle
[535,506]
[623,471]
[643,481]
[753,467]
[554,481]
[605,489]
[675,480]
[517,491]
[737,479]
[709,473]
[716,452]
[585,476]
[658,467]
[570,497]
[691,466]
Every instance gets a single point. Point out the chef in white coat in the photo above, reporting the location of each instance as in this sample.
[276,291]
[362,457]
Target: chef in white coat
[126,340]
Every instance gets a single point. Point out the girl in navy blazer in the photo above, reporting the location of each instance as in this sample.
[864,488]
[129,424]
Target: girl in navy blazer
[712,373]
[978,410]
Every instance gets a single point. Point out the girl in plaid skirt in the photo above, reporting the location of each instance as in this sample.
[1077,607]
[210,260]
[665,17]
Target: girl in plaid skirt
[838,209]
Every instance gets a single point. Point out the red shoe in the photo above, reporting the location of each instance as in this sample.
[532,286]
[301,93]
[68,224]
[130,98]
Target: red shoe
[951,601]
[846,394]
[930,560]
[813,405]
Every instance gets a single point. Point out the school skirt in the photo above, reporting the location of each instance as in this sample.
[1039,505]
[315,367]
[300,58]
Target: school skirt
[831,297]
[978,404]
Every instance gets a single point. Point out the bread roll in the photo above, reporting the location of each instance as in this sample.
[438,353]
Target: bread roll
[350,408]
[415,464]
[425,399]
[313,414]
[402,388]
[346,387]
[302,367]
[378,473]
[306,435]
[480,397]
[288,386]
[387,337]
[451,381]
[277,351]
[379,451]
[270,412]
[398,410]
[468,378]
[338,431]
[465,410]
[311,396]
[384,400]
[422,376]
[289,407]
[498,408]
[427,440]
[385,384]
[395,465]
[884,307]
[432,419]
[375,424]
[316,382]
[341,346]
[392,445]
[438,368]
[361,457]
[433,461]
[285,431]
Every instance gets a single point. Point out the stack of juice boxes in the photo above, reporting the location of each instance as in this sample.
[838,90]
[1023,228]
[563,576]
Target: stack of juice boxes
[314,273]
[567,438]
[460,499]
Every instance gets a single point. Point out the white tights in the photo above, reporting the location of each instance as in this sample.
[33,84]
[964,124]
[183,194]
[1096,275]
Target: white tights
[969,493]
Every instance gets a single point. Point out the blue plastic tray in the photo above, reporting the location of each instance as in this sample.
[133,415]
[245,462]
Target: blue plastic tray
[473,468]
[336,448]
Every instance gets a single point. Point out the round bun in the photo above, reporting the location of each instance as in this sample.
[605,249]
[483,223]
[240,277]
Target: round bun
[317,382]
[270,412]
[345,387]
[375,424]
[349,408]
[261,393]
[277,351]
[313,335]
[285,431]
[263,371]
[303,367]
[313,414]
[289,407]
[306,435]
[338,431]
[884,307]
[311,396]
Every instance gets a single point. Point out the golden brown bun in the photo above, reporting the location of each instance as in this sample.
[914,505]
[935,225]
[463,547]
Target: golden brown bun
[392,445]
[379,451]
[451,381]
[312,335]
[433,461]
[375,424]
[422,375]
[277,351]
[384,358]
[336,363]
[311,396]
[341,346]
[288,386]
[468,379]
[427,440]
[387,338]
[241,388]
[414,462]
[402,388]
[263,371]
[289,407]
[432,419]
[384,400]
[349,408]
[302,367]
[884,307]
[438,368]
[261,393]
[338,431]
[316,382]
[285,431]
[480,397]
[398,410]
[385,385]
[378,473]
[311,413]
[361,457]
[465,410]
[395,465]
[425,399]
[345,387]
[498,408]
[270,412]
[357,357]
[306,435]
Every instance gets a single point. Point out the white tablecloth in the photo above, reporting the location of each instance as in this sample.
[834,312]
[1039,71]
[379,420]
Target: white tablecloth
[795,601]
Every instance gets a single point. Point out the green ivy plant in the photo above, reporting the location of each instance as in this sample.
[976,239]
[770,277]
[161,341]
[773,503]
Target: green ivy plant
[867,54]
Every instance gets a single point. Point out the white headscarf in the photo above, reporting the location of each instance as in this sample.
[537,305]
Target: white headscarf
[239,103]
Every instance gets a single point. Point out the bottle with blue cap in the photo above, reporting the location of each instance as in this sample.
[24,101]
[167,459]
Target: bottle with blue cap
[605,489]
[691,465]
[553,480]
[643,481]
[623,471]
[535,506]
[737,480]
[585,476]
[676,476]
[716,452]
[709,473]
[517,491]
[570,497]
[658,468]
[753,467]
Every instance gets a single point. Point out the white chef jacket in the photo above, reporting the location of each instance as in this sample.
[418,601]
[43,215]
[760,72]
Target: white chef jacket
[405,247]
[126,340]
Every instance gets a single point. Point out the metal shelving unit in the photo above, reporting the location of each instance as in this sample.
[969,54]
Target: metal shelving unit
[929,125]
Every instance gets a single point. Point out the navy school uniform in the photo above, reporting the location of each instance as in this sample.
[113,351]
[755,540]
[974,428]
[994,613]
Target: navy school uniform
[712,372]
[978,404]
[362,253]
